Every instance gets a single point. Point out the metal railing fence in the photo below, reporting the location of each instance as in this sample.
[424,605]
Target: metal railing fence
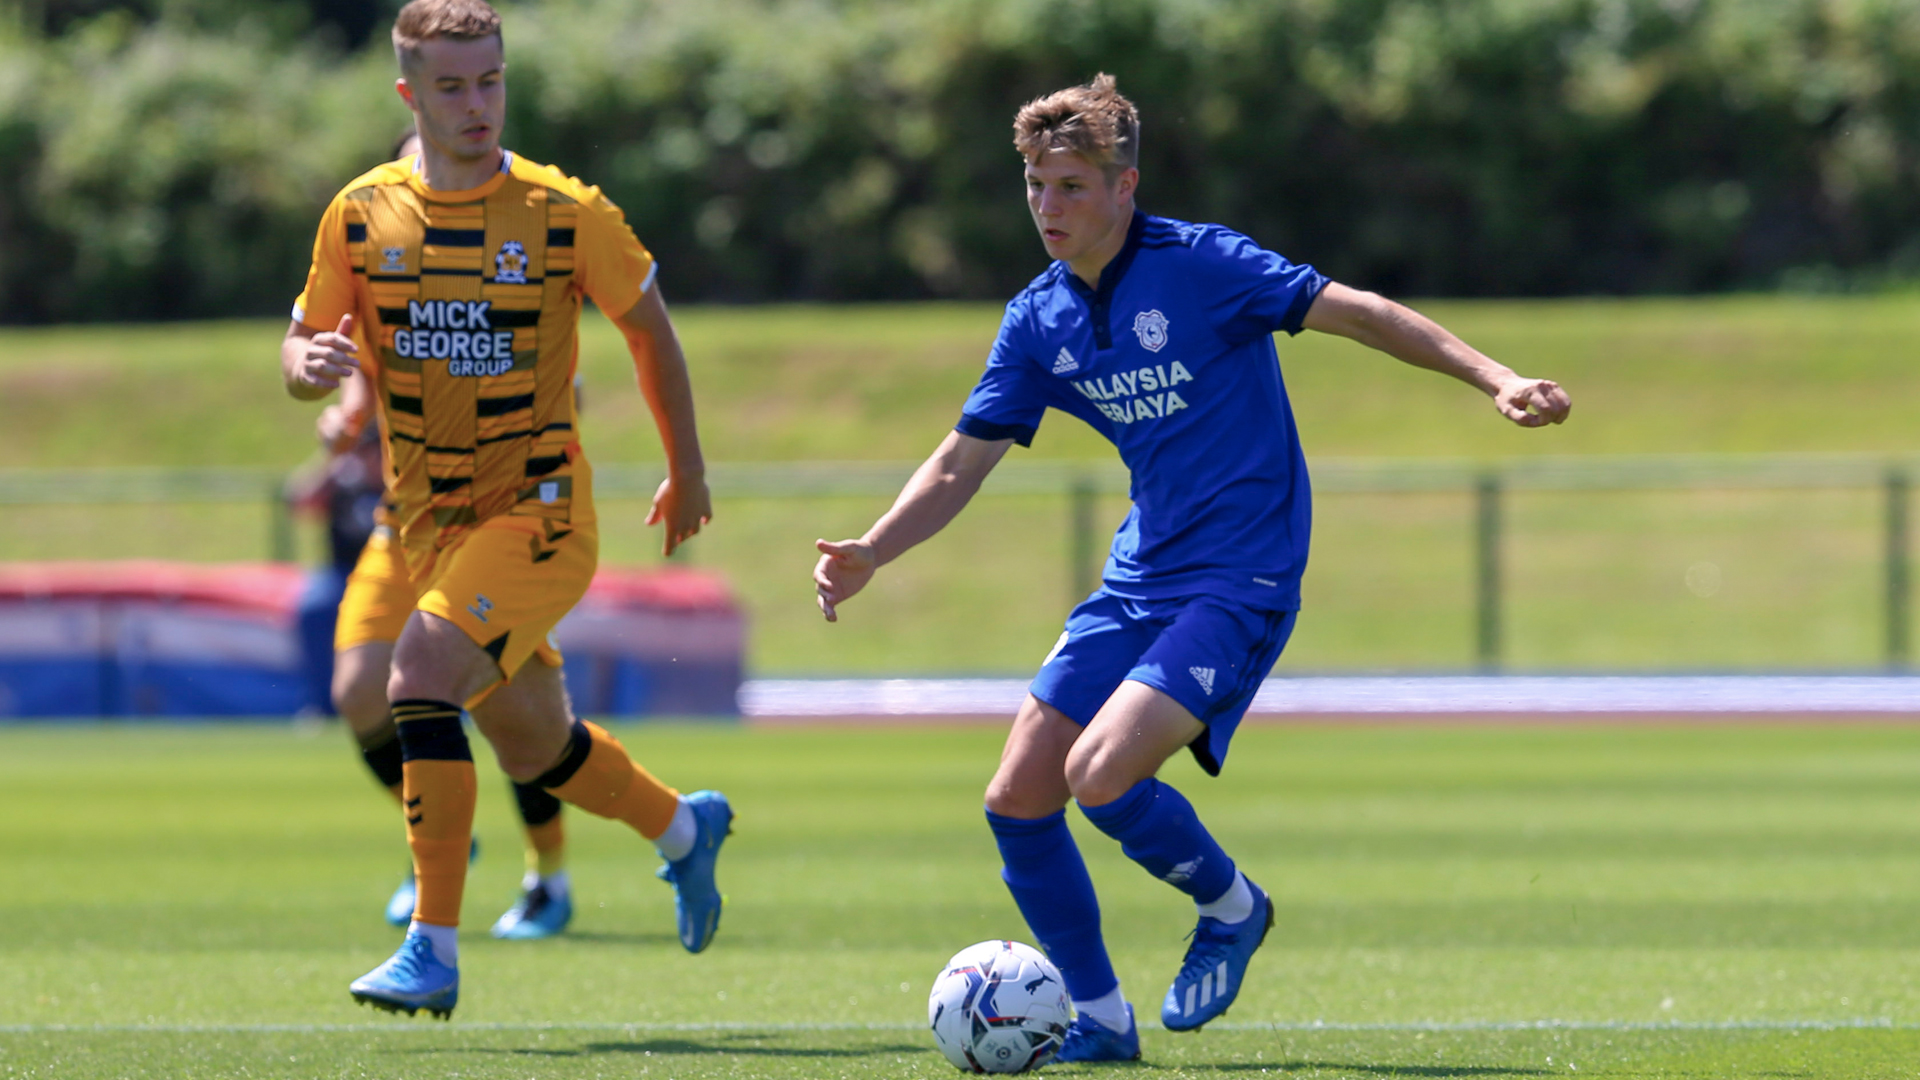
[1080,484]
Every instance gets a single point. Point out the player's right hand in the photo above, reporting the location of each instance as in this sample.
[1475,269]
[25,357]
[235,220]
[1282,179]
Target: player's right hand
[844,569]
[329,357]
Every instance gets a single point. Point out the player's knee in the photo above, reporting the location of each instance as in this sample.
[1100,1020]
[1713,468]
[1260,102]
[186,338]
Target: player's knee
[1007,799]
[523,756]
[360,696]
[521,768]
[1095,778]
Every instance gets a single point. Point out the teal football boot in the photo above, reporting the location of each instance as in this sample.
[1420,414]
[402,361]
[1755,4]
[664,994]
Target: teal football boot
[538,914]
[412,979]
[400,904]
[696,899]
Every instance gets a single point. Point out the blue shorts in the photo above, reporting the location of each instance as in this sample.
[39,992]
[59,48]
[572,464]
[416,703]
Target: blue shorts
[1208,654]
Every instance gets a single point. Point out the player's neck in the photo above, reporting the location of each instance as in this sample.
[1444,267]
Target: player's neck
[443,172]
[1089,265]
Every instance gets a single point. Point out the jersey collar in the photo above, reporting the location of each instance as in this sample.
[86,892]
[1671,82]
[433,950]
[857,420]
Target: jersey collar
[419,182]
[1100,300]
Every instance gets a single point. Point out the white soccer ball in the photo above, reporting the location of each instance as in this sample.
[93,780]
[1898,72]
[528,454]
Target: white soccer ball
[999,1007]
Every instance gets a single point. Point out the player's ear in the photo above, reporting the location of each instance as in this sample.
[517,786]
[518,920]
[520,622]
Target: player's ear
[406,92]
[1125,183]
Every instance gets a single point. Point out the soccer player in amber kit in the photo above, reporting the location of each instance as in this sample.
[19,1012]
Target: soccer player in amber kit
[1158,333]
[374,609]
[466,268]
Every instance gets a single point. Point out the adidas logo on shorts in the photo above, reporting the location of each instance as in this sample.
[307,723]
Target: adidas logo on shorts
[1065,363]
[1203,676]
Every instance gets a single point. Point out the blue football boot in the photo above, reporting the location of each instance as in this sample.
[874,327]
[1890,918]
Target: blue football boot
[1216,964]
[400,904]
[696,899]
[1090,1040]
[412,979]
[539,914]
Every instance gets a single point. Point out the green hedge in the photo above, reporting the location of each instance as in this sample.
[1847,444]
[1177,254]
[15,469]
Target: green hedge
[838,149]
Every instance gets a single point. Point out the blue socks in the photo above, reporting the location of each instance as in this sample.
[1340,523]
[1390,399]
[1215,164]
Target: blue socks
[1049,882]
[1157,828]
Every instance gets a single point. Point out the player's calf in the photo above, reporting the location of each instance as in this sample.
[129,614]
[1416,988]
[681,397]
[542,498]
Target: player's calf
[596,774]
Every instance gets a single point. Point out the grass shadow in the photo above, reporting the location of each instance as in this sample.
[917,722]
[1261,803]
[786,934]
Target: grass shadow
[1437,1071]
[725,1045]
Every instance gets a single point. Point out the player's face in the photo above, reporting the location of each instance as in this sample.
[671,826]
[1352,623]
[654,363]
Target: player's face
[1074,206]
[458,91]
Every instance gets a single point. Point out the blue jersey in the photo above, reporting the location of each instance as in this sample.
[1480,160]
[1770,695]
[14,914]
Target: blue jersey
[1172,359]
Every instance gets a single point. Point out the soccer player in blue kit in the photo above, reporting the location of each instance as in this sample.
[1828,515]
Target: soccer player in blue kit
[1159,334]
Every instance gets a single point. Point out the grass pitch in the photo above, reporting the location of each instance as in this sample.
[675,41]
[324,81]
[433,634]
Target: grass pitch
[1454,901]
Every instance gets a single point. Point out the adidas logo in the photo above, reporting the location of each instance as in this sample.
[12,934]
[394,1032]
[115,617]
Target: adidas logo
[1182,872]
[1203,676]
[1065,364]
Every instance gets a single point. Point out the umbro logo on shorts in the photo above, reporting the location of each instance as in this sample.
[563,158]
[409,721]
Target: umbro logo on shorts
[1203,676]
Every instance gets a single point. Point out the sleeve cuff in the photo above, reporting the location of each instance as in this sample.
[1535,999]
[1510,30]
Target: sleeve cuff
[974,427]
[1295,319]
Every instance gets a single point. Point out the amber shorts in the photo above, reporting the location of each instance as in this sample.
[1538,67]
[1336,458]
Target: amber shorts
[380,598]
[509,581]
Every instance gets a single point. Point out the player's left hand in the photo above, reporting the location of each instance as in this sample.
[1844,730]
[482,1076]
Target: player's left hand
[684,506]
[1533,402]
[337,428]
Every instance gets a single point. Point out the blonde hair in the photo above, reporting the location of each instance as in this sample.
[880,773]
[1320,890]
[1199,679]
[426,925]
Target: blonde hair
[1094,121]
[423,20]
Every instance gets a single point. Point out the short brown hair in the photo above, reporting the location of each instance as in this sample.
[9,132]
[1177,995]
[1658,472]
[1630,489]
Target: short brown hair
[423,20]
[1094,121]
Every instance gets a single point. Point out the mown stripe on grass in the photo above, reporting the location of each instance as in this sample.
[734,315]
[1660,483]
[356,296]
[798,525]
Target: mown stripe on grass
[1416,1026]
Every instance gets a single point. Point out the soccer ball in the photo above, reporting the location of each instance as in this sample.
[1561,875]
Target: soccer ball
[999,1007]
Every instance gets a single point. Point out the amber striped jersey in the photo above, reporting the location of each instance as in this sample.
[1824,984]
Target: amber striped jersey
[470,304]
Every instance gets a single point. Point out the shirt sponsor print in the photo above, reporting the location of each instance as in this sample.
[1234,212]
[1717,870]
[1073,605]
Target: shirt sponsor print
[459,332]
[1141,394]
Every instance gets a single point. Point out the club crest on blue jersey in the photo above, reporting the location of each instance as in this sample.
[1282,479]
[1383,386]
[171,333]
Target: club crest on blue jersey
[393,260]
[1065,364]
[1151,328]
[510,266]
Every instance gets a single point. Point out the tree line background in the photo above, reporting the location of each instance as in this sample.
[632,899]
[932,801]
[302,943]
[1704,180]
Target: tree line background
[168,158]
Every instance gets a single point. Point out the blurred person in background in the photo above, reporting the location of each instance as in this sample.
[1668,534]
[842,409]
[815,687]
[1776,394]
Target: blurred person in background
[1159,335]
[344,492]
[373,602]
[467,266]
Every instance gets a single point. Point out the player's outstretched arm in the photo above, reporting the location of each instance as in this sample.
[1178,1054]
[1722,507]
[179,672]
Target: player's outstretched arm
[312,362]
[1407,335]
[940,488]
[682,502]
[341,423]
